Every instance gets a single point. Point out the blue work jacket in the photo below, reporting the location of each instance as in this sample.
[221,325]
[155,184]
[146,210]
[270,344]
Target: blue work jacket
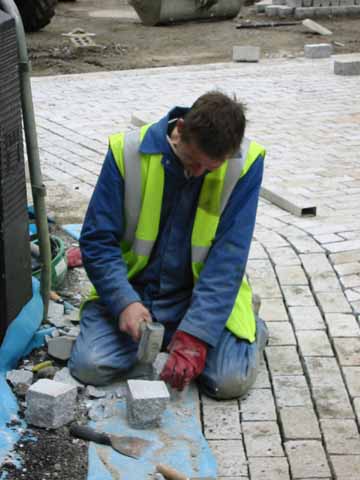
[166,285]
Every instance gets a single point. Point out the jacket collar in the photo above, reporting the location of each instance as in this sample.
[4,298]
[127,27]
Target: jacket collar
[155,140]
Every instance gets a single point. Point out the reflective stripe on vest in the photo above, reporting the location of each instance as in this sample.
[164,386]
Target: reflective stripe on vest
[223,180]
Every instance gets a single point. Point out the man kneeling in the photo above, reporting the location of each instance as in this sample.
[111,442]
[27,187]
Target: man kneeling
[166,238]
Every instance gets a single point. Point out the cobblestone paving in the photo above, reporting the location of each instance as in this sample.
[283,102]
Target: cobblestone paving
[301,418]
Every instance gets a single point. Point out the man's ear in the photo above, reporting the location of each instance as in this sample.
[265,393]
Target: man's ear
[180,124]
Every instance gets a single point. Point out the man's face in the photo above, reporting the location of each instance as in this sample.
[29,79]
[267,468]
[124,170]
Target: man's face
[194,160]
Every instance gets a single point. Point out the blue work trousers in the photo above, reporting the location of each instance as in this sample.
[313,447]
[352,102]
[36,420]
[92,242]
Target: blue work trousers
[102,354]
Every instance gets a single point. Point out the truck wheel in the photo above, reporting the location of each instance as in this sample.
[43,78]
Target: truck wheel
[36,14]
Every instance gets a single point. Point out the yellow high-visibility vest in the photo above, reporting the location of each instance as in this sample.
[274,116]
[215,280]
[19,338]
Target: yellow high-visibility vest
[143,176]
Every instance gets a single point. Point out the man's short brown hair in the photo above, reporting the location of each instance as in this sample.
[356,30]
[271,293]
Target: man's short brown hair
[216,124]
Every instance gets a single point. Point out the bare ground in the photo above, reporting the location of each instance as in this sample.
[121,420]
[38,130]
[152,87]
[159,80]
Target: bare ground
[124,43]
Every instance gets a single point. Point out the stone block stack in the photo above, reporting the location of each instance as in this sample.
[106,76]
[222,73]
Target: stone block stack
[309,8]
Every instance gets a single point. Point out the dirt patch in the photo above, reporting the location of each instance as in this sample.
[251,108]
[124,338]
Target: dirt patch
[124,43]
[49,455]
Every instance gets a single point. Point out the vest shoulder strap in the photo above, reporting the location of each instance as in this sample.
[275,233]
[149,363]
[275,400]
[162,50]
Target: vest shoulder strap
[132,192]
[125,149]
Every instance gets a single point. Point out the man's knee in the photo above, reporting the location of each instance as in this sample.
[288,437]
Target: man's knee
[87,368]
[228,386]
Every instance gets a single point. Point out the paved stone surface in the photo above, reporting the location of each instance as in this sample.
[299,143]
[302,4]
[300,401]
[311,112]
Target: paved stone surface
[221,422]
[284,361]
[270,468]
[305,269]
[341,436]
[307,458]
[262,439]
[299,422]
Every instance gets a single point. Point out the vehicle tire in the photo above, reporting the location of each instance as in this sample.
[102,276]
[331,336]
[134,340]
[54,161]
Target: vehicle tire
[36,14]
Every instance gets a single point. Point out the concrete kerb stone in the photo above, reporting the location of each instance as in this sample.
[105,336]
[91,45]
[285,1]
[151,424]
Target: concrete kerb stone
[260,6]
[246,53]
[285,11]
[318,50]
[272,10]
[50,404]
[294,3]
[146,402]
[347,64]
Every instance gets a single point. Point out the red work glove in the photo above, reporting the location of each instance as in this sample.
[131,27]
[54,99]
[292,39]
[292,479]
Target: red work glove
[73,256]
[186,360]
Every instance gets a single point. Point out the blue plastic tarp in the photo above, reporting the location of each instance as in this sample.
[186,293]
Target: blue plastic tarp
[178,443]
[20,339]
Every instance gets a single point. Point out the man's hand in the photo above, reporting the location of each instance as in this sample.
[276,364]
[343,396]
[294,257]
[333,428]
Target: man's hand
[186,360]
[131,318]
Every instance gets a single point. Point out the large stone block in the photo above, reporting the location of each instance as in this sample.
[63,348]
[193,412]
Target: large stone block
[347,65]
[294,3]
[260,6]
[318,50]
[50,404]
[304,12]
[285,11]
[60,347]
[272,10]
[146,402]
[246,53]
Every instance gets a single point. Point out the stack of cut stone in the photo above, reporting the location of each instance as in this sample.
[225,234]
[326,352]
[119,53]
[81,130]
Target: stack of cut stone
[308,8]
